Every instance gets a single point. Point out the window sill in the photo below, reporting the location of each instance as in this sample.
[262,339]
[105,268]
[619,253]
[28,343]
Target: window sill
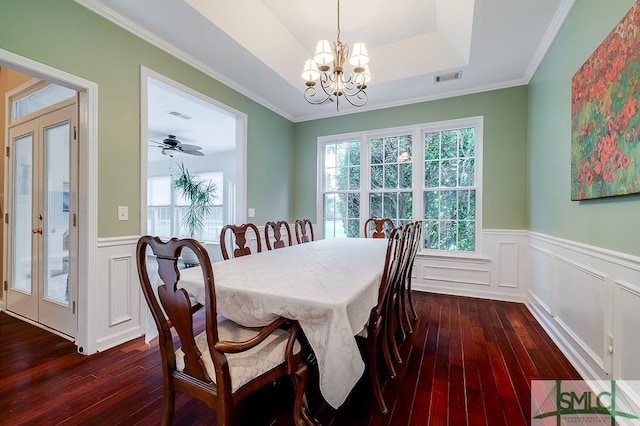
[458,257]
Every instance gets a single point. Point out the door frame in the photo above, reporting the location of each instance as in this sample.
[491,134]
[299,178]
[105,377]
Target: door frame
[87,187]
[49,313]
[239,199]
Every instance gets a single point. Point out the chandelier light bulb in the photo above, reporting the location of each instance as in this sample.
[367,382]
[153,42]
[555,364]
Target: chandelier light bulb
[362,78]
[324,55]
[367,74]
[359,57]
[310,72]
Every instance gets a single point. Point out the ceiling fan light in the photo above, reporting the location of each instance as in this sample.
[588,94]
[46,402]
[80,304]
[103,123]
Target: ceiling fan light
[310,71]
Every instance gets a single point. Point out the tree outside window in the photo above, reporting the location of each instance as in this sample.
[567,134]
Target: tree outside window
[428,172]
[391,179]
[450,194]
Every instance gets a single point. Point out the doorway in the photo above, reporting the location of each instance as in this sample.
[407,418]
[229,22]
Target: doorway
[216,137]
[87,223]
[41,216]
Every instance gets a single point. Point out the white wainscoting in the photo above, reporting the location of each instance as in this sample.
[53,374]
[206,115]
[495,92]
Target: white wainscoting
[500,270]
[588,300]
[119,314]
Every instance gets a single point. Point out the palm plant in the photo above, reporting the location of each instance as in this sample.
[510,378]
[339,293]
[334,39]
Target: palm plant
[200,195]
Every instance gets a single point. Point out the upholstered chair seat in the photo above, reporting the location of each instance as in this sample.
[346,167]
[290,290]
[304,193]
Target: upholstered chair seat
[243,366]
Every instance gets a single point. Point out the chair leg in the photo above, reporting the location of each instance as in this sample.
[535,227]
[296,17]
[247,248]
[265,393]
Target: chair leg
[386,353]
[373,372]
[224,417]
[411,305]
[301,415]
[405,310]
[168,405]
[399,312]
[393,325]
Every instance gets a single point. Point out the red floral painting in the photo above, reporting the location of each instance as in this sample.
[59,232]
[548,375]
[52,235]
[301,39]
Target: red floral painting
[605,124]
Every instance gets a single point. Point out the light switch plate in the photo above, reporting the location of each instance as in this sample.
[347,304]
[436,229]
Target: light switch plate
[252,212]
[123,213]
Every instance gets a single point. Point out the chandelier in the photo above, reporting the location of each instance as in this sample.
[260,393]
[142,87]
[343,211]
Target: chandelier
[327,68]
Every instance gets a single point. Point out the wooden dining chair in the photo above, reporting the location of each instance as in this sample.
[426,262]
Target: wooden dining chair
[239,235]
[301,231]
[416,243]
[377,327]
[402,305]
[397,331]
[378,227]
[275,229]
[224,363]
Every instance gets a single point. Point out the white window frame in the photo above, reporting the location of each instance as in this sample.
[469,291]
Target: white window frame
[176,202]
[418,133]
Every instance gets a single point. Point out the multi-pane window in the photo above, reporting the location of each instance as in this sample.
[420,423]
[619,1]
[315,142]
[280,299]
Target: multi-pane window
[427,172]
[159,206]
[449,190]
[341,189]
[166,208]
[391,185]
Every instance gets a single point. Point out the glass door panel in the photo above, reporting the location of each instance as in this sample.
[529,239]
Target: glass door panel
[22,213]
[42,237]
[56,213]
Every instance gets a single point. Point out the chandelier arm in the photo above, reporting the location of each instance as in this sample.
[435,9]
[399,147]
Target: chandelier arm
[326,82]
[332,81]
[310,96]
[357,99]
[352,86]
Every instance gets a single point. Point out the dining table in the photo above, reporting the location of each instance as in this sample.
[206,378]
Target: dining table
[329,286]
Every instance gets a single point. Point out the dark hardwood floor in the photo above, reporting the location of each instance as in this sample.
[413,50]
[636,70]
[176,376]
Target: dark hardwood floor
[469,361]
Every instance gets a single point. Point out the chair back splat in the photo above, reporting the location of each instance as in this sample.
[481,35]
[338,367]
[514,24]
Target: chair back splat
[273,230]
[378,228]
[239,235]
[210,365]
[301,231]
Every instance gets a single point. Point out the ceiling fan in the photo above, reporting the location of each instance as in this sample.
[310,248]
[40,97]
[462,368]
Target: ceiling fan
[170,145]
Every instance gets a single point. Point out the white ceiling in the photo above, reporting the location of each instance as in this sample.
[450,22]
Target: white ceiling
[258,47]
[191,119]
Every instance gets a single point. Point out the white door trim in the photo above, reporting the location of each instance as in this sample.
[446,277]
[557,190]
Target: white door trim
[239,199]
[87,188]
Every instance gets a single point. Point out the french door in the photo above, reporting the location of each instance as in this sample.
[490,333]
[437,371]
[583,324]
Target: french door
[42,232]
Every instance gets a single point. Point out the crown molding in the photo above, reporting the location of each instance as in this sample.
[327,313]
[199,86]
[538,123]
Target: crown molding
[417,100]
[550,35]
[157,41]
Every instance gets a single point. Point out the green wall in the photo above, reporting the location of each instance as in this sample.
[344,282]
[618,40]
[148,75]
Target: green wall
[66,36]
[504,204]
[610,222]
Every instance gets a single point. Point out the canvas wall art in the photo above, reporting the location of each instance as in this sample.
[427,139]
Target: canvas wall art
[605,124]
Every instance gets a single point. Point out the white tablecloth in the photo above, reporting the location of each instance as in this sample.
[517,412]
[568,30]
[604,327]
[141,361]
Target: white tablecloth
[328,286]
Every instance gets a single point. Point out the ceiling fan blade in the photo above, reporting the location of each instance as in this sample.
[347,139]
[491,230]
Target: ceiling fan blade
[184,146]
[193,152]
